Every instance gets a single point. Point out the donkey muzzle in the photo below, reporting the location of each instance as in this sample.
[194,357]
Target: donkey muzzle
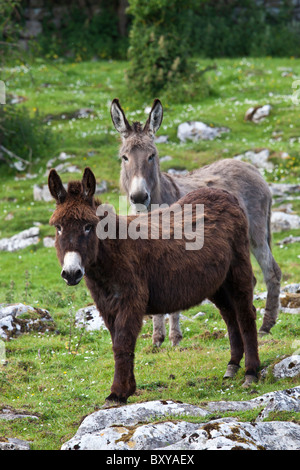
[141,197]
[138,192]
[72,271]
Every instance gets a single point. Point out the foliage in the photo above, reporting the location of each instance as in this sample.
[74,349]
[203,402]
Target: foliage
[243,28]
[24,136]
[9,12]
[158,50]
[82,37]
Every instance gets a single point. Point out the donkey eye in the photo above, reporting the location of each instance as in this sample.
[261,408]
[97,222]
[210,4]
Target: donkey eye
[151,157]
[124,158]
[59,229]
[88,228]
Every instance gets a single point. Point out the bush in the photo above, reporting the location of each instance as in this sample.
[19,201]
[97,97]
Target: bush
[9,12]
[82,37]
[243,28]
[158,51]
[24,136]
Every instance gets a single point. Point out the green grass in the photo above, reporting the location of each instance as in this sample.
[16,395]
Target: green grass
[61,376]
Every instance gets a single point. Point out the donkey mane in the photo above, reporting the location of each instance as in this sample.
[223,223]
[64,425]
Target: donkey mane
[137,127]
[76,206]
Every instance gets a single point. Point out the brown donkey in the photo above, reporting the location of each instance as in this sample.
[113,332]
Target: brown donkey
[129,277]
[144,184]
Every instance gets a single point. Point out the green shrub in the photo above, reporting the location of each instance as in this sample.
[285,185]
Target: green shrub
[82,38]
[9,12]
[158,40]
[243,28]
[23,135]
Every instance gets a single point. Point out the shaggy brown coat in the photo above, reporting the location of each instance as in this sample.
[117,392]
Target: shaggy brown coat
[129,278]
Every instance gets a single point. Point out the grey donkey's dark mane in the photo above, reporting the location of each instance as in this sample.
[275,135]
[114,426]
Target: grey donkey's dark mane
[137,127]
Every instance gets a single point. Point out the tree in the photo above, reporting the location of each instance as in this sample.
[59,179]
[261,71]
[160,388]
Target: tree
[158,49]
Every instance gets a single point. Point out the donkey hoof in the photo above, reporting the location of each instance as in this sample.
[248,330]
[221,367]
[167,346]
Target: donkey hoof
[112,401]
[263,332]
[175,339]
[231,371]
[249,380]
[158,341]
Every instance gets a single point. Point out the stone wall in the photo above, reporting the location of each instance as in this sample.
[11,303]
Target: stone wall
[275,5]
[35,11]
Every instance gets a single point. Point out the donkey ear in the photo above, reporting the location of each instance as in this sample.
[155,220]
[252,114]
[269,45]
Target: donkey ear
[155,117]
[118,118]
[56,187]
[88,183]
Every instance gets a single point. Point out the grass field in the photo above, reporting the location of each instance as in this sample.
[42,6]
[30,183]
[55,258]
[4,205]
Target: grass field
[62,376]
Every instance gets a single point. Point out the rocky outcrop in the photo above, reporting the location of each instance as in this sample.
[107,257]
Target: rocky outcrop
[165,425]
[89,319]
[257,114]
[18,318]
[13,444]
[197,130]
[281,221]
[21,240]
[258,158]
[288,367]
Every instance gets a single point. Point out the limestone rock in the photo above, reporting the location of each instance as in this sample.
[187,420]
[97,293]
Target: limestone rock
[258,113]
[41,193]
[117,426]
[258,158]
[288,240]
[49,242]
[166,158]
[197,130]
[18,318]
[290,300]
[14,444]
[281,221]
[293,288]
[229,434]
[148,426]
[89,318]
[282,189]
[10,414]
[288,367]
[21,240]
[63,156]
[161,139]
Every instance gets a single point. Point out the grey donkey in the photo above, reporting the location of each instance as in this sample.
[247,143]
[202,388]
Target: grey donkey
[144,184]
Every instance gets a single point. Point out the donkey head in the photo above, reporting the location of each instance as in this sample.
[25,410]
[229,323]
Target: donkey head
[140,174]
[75,221]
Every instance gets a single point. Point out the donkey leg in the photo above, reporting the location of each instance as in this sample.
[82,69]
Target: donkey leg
[240,285]
[224,302]
[159,330]
[272,277]
[249,335]
[246,317]
[124,334]
[175,334]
